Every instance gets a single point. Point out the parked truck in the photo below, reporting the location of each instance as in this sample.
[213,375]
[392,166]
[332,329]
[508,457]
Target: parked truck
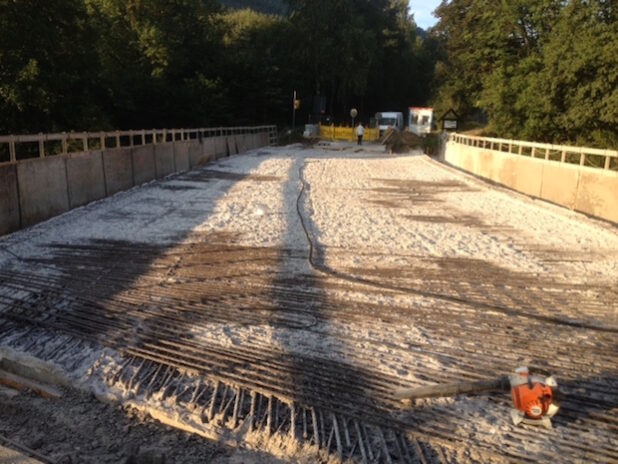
[389,120]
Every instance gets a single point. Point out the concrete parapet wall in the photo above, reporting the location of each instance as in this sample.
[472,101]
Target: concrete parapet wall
[220,147]
[118,168]
[143,164]
[34,190]
[560,184]
[597,194]
[85,177]
[232,147]
[264,139]
[164,159]
[43,189]
[181,154]
[587,190]
[205,154]
[9,199]
[241,143]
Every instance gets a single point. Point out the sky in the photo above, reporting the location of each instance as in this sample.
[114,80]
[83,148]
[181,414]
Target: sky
[422,12]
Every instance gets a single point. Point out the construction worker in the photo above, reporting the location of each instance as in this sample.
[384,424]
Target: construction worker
[360,131]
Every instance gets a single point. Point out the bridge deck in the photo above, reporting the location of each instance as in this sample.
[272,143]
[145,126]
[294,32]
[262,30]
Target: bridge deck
[291,291]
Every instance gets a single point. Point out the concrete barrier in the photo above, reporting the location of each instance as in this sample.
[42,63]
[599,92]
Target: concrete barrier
[143,164]
[9,199]
[118,169]
[560,184]
[597,194]
[181,154]
[248,141]
[255,141]
[43,189]
[587,190]
[528,175]
[232,149]
[241,143]
[34,190]
[220,147]
[164,159]
[85,178]
[207,153]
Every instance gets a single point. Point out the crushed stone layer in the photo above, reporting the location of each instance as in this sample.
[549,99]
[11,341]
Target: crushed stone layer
[278,299]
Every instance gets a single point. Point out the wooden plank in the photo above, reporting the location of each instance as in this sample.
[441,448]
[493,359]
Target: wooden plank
[21,383]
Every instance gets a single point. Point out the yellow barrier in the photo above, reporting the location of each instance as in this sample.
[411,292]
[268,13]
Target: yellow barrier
[347,133]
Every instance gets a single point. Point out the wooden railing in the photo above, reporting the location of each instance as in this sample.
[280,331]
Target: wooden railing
[590,157]
[68,142]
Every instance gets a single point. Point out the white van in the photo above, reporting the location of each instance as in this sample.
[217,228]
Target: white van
[420,120]
[389,119]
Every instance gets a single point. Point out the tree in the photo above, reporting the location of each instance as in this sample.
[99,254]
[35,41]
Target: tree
[48,71]
[160,60]
[543,70]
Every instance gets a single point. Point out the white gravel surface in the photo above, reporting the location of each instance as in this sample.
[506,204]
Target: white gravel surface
[366,212]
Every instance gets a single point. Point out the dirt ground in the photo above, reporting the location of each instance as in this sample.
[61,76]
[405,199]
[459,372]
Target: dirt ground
[79,429]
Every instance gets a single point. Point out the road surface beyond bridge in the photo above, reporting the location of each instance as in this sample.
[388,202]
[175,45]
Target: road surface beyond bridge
[280,297]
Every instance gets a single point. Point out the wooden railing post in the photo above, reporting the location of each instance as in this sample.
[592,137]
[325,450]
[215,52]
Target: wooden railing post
[117,139]
[582,157]
[102,140]
[12,152]
[154,136]
[65,143]
[41,145]
[85,141]
[130,137]
[143,136]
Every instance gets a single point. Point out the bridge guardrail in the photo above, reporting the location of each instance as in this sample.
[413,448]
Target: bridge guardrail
[69,142]
[589,157]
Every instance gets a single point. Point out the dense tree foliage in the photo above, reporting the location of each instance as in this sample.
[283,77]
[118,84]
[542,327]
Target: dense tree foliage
[279,7]
[98,64]
[538,69]
[544,70]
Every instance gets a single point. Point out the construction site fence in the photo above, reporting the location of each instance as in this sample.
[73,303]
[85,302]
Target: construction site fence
[347,133]
[16,147]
